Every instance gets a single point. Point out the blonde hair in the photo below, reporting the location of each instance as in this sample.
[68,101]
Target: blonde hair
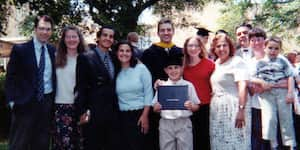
[274,39]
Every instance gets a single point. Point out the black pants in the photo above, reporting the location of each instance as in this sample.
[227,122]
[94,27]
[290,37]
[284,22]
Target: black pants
[132,136]
[257,142]
[102,135]
[152,138]
[297,129]
[200,121]
[30,126]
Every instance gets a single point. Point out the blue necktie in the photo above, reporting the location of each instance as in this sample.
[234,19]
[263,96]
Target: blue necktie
[40,76]
[106,63]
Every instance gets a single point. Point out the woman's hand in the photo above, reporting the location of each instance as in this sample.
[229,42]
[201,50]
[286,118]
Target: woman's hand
[255,88]
[85,118]
[266,86]
[157,107]
[290,98]
[143,122]
[240,119]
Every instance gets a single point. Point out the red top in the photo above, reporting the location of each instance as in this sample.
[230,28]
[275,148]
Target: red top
[199,75]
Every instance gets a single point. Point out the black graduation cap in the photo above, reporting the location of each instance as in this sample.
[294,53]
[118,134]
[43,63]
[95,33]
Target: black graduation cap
[174,59]
[202,32]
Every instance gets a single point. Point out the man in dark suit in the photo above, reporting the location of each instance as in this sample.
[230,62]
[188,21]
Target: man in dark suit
[95,87]
[30,84]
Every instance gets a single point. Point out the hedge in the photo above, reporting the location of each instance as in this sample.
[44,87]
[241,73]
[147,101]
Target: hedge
[4,112]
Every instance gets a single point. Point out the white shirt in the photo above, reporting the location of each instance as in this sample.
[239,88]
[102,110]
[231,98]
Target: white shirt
[192,96]
[66,82]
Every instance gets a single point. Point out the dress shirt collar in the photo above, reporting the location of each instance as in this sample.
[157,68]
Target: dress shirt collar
[102,53]
[37,44]
[179,82]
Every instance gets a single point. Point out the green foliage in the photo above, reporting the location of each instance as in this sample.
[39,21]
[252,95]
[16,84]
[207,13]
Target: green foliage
[27,28]
[122,14]
[59,10]
[4,13]
[4,112]
[3,146]
[165,7]
[278,18]
[233,15]
[2,79]
[63,13]
[275,18]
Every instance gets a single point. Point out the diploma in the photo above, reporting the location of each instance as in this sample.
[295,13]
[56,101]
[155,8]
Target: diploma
[172,97]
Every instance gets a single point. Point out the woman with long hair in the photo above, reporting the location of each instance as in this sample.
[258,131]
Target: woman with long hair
[66,131]
[134,91]
[198,69]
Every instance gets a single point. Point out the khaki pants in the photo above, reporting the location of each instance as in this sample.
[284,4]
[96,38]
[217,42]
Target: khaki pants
[175,134]
[274,108]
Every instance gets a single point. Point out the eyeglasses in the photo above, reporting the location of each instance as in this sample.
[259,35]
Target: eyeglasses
[44,29]
[193,46]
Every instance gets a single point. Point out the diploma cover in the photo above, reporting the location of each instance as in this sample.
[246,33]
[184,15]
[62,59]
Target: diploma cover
[172,97]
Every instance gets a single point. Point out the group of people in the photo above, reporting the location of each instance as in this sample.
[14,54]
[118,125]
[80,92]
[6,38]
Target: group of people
[73,97]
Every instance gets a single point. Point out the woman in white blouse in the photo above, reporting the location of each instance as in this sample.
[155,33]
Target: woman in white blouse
[230,118]
[66,133]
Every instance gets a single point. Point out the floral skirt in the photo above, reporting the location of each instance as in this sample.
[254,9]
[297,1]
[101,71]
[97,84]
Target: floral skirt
[66,135]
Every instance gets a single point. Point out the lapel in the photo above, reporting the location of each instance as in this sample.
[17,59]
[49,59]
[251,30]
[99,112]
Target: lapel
[32,56]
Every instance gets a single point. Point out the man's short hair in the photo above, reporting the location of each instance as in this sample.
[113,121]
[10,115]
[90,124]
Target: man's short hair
[257,32]
[45,18]
[132,37]
[247,25]
[104,27]
[163,21]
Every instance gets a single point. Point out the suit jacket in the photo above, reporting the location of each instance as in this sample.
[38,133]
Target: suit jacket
[21,77]
[95,89]
[155,58]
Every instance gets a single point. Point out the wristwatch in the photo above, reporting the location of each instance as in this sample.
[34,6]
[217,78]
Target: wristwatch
[241,107]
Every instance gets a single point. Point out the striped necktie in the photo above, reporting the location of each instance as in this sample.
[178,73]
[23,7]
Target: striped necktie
[40,76]
[107,66]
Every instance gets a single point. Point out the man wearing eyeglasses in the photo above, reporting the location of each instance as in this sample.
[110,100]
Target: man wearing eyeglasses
[242,36]
[30,84]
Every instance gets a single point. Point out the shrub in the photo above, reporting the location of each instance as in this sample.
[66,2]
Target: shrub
[4,111]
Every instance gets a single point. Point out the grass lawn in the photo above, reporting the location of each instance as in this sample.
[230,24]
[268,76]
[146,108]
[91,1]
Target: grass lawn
[3,146]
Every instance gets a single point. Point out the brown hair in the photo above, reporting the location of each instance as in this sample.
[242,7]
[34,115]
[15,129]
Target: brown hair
[132,37]
[274,39]
[61,55]
[133,60]
[227,39]
[45,18]
[257,32]
[202,54]
[163,21]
